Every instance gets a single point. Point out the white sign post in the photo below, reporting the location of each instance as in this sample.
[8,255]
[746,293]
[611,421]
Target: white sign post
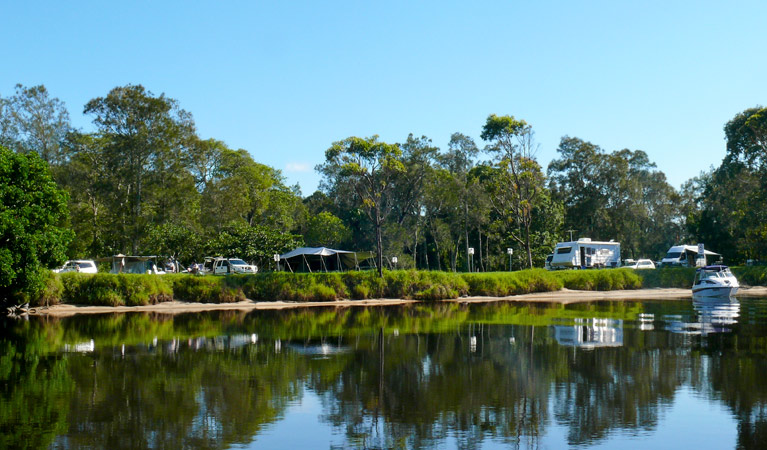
[700,261]
[510,251]
[471,259]
[394,261]
[277,261]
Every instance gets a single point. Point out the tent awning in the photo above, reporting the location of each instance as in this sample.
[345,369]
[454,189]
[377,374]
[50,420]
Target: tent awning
[344,258]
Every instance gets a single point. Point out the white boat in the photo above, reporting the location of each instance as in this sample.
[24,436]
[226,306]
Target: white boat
[714,281]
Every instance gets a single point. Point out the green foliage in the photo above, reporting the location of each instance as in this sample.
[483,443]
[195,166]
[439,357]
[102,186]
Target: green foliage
[673,277]
[616,195]
[207,289]
[603,280]
[131,290]
[502,284]
[325,230]
[177,241]
[751,276]
[368,168]
[105,289]
[256,243]
[31,210]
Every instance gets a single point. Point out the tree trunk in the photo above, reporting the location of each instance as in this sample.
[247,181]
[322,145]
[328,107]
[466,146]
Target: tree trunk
[415,248]
[466,233]
[481,261]
[379,243]
[527,246]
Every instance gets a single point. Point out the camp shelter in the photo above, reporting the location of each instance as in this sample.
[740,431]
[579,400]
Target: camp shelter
[323,259]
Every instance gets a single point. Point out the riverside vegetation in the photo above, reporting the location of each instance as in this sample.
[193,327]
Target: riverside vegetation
[134,290]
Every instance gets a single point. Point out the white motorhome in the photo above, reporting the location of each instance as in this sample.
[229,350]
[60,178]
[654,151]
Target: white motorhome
[687,255]
[586,254]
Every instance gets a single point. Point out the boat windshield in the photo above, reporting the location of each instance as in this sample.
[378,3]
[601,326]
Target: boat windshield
[673,255]
[238,262]
[564,250]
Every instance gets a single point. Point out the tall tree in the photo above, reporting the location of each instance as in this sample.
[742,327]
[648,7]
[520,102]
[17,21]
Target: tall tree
[145,136]
[458,161]
[520,187]
[370,168]
[32,121]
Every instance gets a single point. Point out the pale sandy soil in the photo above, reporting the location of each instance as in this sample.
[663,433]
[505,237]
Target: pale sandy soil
[564,296]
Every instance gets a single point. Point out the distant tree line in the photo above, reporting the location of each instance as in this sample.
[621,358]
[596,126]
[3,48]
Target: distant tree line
[144,182]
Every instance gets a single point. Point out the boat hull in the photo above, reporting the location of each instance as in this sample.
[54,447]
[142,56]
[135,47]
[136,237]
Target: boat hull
[715,291]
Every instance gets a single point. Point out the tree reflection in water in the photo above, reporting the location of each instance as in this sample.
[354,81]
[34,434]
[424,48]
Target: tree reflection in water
[412,377]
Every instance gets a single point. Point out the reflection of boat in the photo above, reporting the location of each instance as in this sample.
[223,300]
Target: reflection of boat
[717,311]
[591,333]
[714,314]
[714,281]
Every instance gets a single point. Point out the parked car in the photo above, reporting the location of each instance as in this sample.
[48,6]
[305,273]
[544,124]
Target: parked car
[642,264]
[78,265]
[224,266]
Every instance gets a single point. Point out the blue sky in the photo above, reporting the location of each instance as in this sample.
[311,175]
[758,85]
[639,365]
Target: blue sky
[286,79]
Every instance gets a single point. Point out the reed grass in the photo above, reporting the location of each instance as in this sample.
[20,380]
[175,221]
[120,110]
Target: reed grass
[131,290]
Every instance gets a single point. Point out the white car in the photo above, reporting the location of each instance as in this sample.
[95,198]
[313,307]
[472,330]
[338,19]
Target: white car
[226,266]
[78,265]
[642,264]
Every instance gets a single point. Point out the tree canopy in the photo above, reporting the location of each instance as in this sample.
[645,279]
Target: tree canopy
[32,213]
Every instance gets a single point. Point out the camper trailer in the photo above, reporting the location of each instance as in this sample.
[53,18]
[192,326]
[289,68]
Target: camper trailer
[586,254]
[687,256]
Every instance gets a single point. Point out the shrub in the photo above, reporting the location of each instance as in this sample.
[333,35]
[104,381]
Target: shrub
[671,277]
[751,276]
[52,292]
[207,289]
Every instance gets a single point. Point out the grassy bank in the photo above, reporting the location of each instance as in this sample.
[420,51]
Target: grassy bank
[132,290]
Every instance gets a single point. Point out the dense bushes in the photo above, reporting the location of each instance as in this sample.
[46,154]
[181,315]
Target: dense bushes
[601,280]
[131,290]
[676,277]
[112,290]
[752,275]
[200,289]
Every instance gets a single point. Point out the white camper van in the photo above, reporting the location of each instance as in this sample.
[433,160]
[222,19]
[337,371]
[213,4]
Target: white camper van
[687,256]
[586,254]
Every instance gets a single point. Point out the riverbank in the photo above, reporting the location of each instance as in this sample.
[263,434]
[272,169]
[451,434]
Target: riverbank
[563,296]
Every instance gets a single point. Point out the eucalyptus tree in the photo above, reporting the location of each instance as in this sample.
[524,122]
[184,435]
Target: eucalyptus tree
[518,190]
[458,161]
[418,157]
[370,168]
[87,179]
[146,136]
[32,121]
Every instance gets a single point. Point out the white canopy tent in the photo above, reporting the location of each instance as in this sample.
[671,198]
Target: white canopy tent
[323,259]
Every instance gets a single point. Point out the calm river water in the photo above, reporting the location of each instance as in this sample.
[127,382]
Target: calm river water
[673,374]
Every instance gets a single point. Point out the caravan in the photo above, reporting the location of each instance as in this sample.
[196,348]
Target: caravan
[586,254]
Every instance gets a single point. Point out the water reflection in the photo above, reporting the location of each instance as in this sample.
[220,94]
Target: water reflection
[449,376]
[590,333]
[713,315]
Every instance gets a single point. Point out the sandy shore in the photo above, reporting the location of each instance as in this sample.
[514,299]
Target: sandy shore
[563,296]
